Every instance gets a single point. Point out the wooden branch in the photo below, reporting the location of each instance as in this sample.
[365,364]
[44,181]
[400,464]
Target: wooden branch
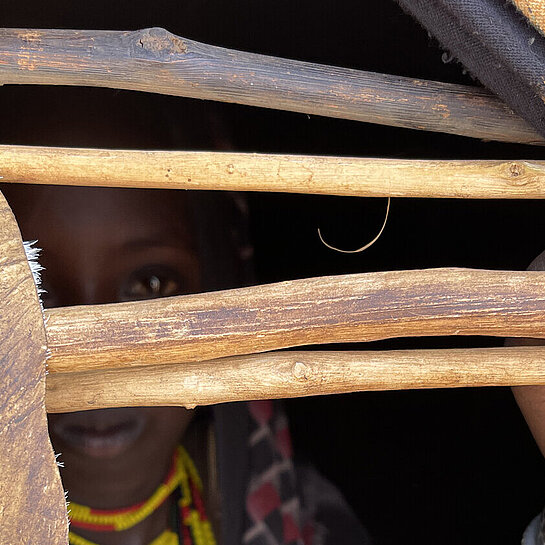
[32,502]
[349,176]
[352,308]
[154,60]
[293,374]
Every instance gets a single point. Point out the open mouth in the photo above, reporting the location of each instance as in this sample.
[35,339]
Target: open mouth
[104,433]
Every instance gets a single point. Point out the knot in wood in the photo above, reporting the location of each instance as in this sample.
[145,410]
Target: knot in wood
[160,44]
[516,170]
[301,371]
[522,173]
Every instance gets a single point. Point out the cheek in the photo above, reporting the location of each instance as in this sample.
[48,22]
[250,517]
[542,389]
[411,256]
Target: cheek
[168,424]
[165,431]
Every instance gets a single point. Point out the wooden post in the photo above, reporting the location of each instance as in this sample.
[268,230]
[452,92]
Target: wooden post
[350,176]
[293,374]
[156,61]
[350,308]
[32,504]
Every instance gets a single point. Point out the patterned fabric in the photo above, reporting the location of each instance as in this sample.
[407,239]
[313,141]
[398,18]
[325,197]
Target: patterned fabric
[270,501]
[272,504]
[496,44]
[534,10]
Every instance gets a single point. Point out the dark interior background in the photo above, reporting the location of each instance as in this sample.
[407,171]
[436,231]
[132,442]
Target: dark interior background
[448,466]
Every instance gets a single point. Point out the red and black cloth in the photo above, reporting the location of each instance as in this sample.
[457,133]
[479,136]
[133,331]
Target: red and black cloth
[272,504]
[268,499]
[287,504]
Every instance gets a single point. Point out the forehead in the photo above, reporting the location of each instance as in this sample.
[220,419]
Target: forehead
[104,216]
[95,228]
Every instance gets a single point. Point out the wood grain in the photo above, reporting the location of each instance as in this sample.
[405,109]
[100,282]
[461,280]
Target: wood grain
[32,504]
[351,308]
[154,60]
[293,374]
[350,176]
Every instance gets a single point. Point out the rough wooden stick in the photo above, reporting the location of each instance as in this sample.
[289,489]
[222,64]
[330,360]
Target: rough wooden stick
[32,502]
[293,374]
[351,308]
[157,61]
[349,176]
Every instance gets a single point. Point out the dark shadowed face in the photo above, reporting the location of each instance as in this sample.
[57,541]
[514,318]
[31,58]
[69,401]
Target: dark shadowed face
[102,246]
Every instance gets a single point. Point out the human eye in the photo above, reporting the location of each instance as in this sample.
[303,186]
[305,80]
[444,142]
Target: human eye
[152,281]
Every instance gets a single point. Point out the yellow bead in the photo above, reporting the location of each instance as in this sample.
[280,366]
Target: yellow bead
[184,471]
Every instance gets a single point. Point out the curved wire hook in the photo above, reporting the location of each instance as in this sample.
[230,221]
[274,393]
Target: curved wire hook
[363,247]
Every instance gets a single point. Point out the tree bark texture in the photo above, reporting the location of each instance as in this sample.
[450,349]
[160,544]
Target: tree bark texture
[350,308]
[32,504]
[349,176]
[154,60]
[292,374]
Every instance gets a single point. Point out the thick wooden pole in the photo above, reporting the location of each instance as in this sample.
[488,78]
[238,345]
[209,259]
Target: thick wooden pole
[351,308]
[32,502]
[156,61]
[293,374]
[349,176]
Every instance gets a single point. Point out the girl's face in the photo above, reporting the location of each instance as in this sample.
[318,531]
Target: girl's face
[102,246]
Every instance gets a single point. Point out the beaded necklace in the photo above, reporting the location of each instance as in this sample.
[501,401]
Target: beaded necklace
[194,528]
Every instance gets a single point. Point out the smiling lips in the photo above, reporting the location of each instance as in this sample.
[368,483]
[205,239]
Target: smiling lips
[102,435]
